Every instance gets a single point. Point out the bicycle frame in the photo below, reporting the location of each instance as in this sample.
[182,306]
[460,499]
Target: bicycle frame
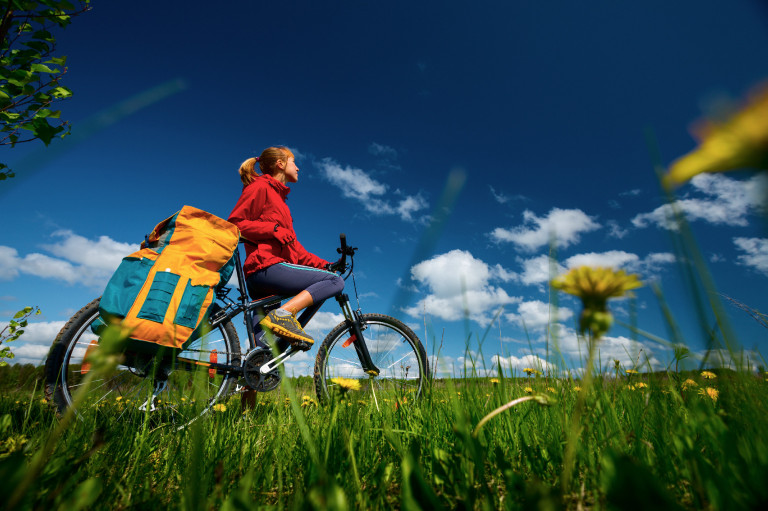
[242,304]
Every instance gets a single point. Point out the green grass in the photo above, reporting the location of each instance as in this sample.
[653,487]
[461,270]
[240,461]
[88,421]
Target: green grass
[655,444]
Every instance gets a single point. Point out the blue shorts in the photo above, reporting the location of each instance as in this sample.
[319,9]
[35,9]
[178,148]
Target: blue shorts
[290,279]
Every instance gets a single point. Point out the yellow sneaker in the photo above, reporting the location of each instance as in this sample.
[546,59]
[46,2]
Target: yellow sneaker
[288,328]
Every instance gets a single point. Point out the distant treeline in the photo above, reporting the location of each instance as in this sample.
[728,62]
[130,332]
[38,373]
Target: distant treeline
[21,376]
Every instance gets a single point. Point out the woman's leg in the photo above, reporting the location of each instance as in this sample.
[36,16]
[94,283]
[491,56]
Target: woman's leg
[299,302]
[308,285]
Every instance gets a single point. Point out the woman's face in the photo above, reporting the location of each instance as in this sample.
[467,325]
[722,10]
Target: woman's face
[291,171]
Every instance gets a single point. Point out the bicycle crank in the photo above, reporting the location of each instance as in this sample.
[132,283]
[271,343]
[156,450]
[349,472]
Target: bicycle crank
[252,371]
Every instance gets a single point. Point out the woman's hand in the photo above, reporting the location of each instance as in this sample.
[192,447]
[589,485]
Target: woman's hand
[284,236]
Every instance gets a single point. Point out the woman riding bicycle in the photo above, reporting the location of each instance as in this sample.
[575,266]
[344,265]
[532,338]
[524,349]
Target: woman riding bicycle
[276,263]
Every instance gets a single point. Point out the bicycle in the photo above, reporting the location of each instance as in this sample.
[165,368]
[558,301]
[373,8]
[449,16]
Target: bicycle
[389,360]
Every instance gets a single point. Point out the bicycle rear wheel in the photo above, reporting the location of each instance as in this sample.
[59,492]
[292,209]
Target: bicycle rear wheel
[175,392]
[395,350]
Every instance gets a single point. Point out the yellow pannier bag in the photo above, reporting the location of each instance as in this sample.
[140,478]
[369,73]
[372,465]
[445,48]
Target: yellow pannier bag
[164,291]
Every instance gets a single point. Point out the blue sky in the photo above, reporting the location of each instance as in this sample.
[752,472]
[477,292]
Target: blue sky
[448,140]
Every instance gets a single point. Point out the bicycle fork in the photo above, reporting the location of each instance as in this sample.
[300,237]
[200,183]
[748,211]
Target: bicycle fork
[353,320]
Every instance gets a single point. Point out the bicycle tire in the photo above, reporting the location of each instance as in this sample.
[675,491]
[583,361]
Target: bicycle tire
[187,395]
[395,350]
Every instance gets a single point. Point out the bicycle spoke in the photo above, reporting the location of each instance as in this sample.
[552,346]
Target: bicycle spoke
[398,360]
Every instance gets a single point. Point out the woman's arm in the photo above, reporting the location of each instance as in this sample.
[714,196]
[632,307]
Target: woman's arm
[308,258]
[247,212]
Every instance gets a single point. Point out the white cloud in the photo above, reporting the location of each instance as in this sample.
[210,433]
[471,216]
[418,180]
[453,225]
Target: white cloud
[613,258]
[565,226]
[459,285]
[647,267]
[631,354]
[9,263]
[79,260]
[536,314]
[517,364]
[104,253]
[352,182]
[756,256]
[615,230]
[725,201]
[537,270]
[409,205]
[503,198]
[322,323]
[383,151]
[356,184]
[33,345]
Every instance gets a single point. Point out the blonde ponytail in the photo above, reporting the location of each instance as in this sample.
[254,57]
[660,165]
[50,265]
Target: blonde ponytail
[267,163]
[247,171]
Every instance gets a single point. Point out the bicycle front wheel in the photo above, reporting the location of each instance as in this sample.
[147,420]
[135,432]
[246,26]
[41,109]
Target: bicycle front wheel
[395,350]
[175,389]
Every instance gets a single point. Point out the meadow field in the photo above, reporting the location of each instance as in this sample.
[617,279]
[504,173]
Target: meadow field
[596,437]
[694,440]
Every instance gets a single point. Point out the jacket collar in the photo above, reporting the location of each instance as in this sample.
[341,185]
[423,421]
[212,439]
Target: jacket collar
[279,187]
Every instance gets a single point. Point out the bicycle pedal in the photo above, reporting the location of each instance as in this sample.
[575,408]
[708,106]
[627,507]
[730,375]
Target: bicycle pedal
[301,345]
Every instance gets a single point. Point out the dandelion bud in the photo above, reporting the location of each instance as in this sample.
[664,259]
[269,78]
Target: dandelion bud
[596,321]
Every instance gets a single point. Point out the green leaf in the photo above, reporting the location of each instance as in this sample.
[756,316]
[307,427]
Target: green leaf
[22,312]
[61,92]
[42,68]
[43,130]
[43,35]
[40,46]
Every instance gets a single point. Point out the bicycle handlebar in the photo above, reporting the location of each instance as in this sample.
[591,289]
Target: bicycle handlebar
[343,249]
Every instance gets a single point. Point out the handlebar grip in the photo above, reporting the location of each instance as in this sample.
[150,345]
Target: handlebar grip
[343,249]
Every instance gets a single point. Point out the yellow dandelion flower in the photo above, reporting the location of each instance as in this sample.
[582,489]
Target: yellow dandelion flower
[528,390]
[737,143]
[631,387]
[528,371]
[596,284]
[641,385]
[710,392]
[689,383]
[495,381]
[346,384]
[708,375]
[631,371]
[577,388]
[119,398]
[220,407]
[551,389]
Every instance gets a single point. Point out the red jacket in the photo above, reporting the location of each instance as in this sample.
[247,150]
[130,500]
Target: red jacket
[260,208]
